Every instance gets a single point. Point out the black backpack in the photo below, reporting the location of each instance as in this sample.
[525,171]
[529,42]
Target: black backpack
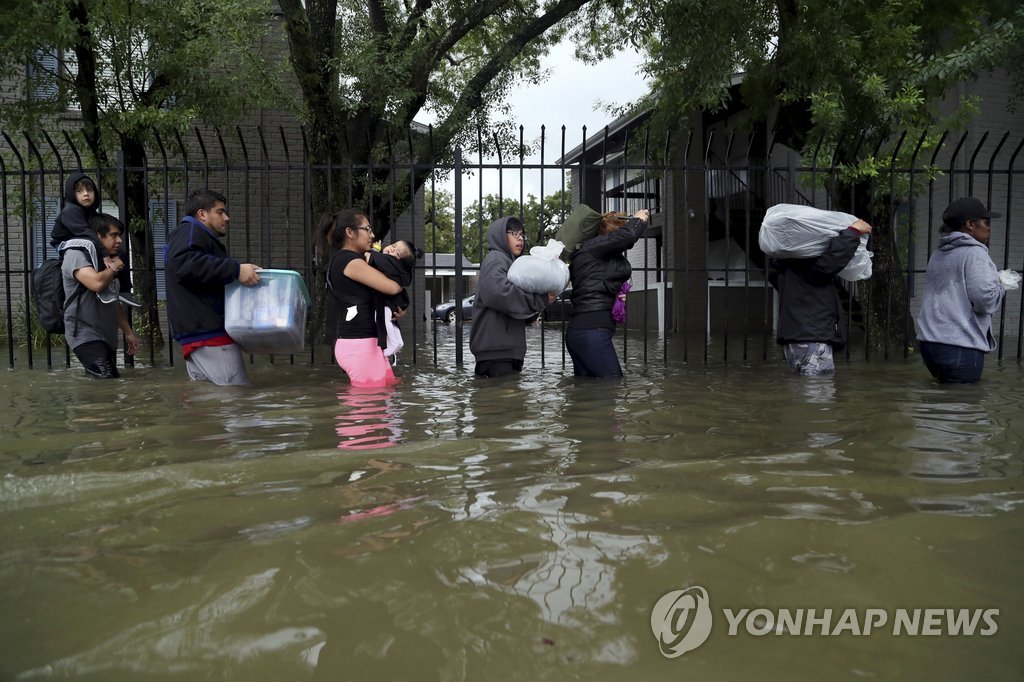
[48,287]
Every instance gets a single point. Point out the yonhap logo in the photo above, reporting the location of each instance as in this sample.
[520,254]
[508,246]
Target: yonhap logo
[681,621]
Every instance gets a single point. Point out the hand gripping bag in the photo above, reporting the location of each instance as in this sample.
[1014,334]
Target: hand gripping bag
[540,272]
[792,231]
[619,307]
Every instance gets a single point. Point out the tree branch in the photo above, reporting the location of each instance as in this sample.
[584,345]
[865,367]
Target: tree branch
[412,22]
[472,95]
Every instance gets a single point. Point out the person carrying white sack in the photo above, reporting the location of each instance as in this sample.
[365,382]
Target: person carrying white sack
[500,309]
[962,292]
[811,322]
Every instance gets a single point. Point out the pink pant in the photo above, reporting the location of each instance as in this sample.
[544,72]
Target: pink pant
[364,362]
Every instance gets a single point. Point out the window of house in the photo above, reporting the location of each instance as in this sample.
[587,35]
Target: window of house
[51,74]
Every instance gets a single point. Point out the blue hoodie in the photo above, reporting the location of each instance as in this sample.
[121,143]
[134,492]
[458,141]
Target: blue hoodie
[961,293]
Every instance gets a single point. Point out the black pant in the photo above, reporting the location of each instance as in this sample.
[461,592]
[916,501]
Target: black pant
[952,364]
[498,368]
[99,360]
[592,352]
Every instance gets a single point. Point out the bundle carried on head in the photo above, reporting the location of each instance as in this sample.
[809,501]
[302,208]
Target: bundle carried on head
[793,231]
[582,224]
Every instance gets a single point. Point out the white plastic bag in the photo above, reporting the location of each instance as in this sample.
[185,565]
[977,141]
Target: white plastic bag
[1009,279]
[792,231]
[541,272]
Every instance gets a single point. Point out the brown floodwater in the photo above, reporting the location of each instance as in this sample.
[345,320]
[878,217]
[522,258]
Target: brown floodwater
[514,529]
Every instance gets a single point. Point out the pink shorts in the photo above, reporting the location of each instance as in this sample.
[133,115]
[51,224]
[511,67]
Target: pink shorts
[364,362]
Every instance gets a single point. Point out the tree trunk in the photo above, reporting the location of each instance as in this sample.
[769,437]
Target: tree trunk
[143,259]
[884,298]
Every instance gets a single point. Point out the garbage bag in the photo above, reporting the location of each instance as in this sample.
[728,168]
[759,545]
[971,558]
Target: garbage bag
[580,225]
[541,271]
[793,231]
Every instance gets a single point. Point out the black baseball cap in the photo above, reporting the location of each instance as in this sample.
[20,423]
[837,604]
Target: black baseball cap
[964,209]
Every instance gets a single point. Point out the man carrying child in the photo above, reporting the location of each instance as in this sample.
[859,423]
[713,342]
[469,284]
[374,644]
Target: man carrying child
[92,311]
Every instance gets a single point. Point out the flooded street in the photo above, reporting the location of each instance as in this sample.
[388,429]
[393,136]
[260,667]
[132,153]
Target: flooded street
[511,529]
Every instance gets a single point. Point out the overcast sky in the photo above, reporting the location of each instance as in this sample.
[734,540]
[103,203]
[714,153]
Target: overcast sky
[568,98]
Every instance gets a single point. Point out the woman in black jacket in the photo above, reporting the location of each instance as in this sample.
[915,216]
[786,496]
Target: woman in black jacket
[597,270]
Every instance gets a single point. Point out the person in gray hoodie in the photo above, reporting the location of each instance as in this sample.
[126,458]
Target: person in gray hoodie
[962,292]
[501,309]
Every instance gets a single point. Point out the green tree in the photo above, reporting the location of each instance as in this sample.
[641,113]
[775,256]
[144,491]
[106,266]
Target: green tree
[368,69]
[134,69]
[850,75]
[439,225]
[541,219]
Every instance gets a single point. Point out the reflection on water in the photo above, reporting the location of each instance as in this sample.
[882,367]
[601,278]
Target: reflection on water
[462,529]
[369,418]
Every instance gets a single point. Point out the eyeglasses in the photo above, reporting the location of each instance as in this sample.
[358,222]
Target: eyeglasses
[517,235]
[363,227]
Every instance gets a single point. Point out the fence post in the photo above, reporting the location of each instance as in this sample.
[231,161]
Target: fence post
[459,292]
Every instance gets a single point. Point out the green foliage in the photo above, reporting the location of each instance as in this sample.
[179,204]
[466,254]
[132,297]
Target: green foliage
[541,218]
[157,65]
[25,327]
[448,61]
[841,80]
[861,69]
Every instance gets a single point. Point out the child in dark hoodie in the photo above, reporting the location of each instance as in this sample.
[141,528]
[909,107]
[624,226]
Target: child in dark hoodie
[82,202]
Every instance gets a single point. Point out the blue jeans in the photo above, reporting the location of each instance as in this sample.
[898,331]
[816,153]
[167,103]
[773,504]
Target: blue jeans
[592,352]
[952,364]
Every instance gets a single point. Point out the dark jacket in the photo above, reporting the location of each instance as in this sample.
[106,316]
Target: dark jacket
[500,309]
[809,305]
[398,272]
[598,269]
[73,220]
[198,267]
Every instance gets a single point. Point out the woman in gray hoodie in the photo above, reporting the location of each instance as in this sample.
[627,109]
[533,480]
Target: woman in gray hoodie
[962,292]
[501,309]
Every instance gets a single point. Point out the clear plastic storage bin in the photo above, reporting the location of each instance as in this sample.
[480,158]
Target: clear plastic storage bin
[269,317]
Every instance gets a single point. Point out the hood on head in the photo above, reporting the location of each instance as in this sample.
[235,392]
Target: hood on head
[69,189]
[496,239]
[957,239]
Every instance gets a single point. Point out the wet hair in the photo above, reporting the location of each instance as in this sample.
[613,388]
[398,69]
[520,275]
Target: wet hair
[331,229]
[612,221]
[84,183]
[203,199]
[101,224]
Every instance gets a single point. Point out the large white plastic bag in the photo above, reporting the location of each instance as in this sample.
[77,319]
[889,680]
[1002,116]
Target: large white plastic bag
[793,231]
[540,272]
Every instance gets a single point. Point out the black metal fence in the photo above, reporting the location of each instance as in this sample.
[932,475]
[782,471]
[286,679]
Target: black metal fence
[700,291]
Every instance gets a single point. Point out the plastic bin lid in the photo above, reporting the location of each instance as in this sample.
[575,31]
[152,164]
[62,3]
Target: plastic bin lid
[289,273]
